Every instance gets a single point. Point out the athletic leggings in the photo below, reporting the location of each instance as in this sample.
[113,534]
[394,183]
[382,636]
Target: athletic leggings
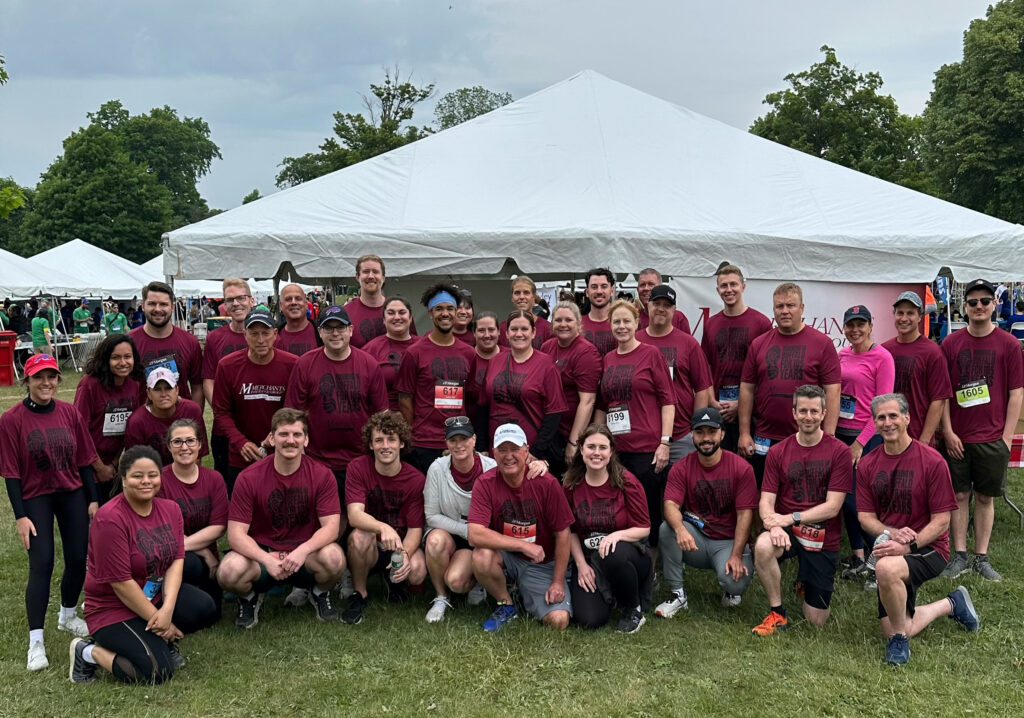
[71,511]
[141,656]
[859,539]
[625,569]
[197,573]
[641,465]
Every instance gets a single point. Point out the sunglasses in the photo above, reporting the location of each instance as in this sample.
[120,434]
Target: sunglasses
[456,421]
[985,301]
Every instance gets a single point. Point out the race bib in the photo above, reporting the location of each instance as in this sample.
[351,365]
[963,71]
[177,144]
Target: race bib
[167,362]
[617,420]
[593,541]
[810,536]
[115,418]
[847,406]
[522,531]
[729,393]
[448,395]
[761,444]
[972,393]
[153,587]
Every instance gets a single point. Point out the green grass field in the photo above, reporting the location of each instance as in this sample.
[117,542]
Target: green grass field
[704,662]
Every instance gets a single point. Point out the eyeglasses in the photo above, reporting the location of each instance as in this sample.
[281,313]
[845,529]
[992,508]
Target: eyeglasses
[237,300]
[189,442]
[985,301]
[456,421]
[335,329]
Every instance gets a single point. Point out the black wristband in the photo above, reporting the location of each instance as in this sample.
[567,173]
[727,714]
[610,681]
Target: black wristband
[913,547]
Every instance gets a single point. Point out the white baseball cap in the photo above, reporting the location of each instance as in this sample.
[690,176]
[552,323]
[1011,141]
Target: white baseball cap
[510,432]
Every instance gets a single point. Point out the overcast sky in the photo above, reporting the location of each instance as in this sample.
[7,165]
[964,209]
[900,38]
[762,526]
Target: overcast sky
[267,76]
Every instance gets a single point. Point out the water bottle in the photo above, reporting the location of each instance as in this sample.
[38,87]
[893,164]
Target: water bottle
[881,538]
[397,559]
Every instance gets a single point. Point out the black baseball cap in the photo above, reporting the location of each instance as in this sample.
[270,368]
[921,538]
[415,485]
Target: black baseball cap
[259,315]
[458,426]
[663,291]
[338,314]
[980,284]
[858,311]
[708,416]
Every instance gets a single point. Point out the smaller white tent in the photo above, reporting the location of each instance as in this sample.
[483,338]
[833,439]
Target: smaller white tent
[21,278]
[110,274]
[261,289]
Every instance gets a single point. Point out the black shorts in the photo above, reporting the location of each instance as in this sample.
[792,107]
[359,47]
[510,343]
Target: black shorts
[983,468]
[923,566]
[817,568]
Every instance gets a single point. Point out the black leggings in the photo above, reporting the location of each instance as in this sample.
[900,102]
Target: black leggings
[141,656]
[641,465]
[859,538]
[626,568]
[197,573]
[71,511]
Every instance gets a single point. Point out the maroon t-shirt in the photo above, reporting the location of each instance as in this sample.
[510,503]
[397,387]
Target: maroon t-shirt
[467,336]
[801,477]
[922,376]
[533,512]
[688,369]
[726,342]
[144,428]
[297,343]
[634,387]
[245,397]
[466,481]
[993,361]
[441,383]
[715,494]
[368,322]
[219,343]
[395,500]
[284,512]
[906,489]
[340,396]
[44,450]
[599,334]
[124,546]
[389,352]
[604,509]
[522,393]
[580,366]
[542,328]
[778,364]
[179,352]
[679,320]
[202,504]
[106,413]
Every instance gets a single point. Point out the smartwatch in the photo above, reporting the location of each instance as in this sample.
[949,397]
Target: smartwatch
[796,518]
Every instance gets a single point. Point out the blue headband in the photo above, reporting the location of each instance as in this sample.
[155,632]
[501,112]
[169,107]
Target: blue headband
[440,298]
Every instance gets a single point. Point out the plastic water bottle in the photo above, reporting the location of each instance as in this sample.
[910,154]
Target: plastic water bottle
[397,559]
[881,538]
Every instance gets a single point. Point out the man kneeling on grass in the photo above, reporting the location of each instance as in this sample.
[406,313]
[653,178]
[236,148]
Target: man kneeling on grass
[283,525]
[905,492]
[519,530]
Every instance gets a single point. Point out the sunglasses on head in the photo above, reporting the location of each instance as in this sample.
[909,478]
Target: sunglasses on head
[456,421]
[984,301]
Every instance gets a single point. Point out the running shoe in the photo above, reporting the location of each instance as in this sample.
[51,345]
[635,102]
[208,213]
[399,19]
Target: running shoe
[676,603]
[731,600]
[37,660]
[353,613]
[964,612]
[81,671]
[983,567]
[871,581]
[73,625]
[631,621]
[504,613]
[957,565]
[248,611]
[772,622]
[437,609]
[344,585]
[395,592]
[856,570]
[897,652]
[177,660]
[476,595]
[298,597]
[324,606]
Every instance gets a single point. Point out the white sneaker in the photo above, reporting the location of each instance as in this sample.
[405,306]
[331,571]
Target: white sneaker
[74,625]
[731,601]
[37,657]
[673,605]
[344,585]
[437,609]
[476,595]
[298,597]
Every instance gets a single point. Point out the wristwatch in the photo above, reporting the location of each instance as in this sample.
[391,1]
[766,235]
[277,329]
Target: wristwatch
[666,439]
[796,518]
[913,546]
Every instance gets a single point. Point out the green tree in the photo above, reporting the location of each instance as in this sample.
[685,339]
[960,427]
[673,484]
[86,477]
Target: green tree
[10,230]
[974,120]
[358,138]
[464,104]
[251,197]
[4,77]
[836,113]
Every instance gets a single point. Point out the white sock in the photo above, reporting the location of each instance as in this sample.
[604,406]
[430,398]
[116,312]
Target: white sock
[66,613]
[87,654]
[36,634]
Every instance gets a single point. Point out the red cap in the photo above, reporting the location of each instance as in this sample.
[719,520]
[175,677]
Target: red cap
[37,362]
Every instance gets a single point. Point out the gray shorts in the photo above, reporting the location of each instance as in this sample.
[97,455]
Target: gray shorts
[533,580]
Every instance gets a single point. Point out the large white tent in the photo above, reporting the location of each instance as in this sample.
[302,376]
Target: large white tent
[112,275]
[21,278]
[591,171]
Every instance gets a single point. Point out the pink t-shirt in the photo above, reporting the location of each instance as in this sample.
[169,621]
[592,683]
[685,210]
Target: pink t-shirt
[542,328]
[801,477]
[284,512]
[340,397]
[522,393]
[180,352]
[44,450]
[144,428]
[124,546]
[865,376]
[779,363]
[921,375]
[245,397]
[395,500]
[688,369]
[441,382]
[219,343]
[580,366]
[604,509]
[202,504]
[634,387]
[599,334]
[992,364]
[679,321]
[726,342]
[106,413]
[297,343]
[906,489]
[533,512]
[715,494]
[389,352]
[368,322]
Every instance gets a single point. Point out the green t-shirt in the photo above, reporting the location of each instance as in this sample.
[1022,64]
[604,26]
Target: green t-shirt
[4,319]
[81,317]
[116,323]
[38,335]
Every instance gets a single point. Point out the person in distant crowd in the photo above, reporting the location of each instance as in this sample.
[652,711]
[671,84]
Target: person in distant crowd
[519,531]
[384,496]
[298,335]
[726,340]
[82,318]
[114,320]
[463,327]
[283,525]
[710,499]
[905,490]
[138,318]
[105,397]
[366,309]
[207,311]
[806,478]
[986,372]
[596,324]
[42,330]
[647,280]
[524,297]
[46,459]
[148,424]
[435,379]
[5,313]
[19,324]
[136,605]
[161,344]
[1016,318]
[779,361]
[389,349]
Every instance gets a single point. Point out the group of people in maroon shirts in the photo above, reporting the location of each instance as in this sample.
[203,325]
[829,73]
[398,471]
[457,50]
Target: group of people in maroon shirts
[548,465]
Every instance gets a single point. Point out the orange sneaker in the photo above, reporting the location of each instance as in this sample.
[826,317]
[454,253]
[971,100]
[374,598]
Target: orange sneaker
[773,622]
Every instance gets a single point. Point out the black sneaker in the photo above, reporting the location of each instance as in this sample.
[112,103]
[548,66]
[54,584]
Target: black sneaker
[856,570]
[324,606]
[353,613]
[177,660]
[81,671]
[395,592]
[249,611]
[631,621]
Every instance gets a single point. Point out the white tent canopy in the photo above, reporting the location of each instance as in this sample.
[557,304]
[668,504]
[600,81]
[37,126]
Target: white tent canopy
[591,171]
[154,268]
[21,278]
[110,274]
